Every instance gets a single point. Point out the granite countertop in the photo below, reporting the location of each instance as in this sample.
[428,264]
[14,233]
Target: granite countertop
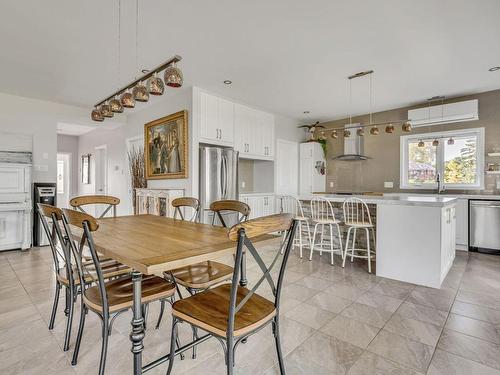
[408,200]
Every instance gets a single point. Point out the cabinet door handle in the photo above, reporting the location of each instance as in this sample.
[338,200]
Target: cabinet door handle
[220,130]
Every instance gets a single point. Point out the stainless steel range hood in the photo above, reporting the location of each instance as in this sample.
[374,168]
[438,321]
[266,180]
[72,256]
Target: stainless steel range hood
[353,146]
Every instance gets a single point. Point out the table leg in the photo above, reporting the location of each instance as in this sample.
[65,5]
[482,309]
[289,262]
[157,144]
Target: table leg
[137,334]
[243,270]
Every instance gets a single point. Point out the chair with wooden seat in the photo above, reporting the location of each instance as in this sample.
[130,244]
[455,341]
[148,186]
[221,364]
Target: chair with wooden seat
[357,216]
[291,205]
[219,208]
[108,201]
[105,298]
[65,270]
[183,204]
[201,276]
[230,312]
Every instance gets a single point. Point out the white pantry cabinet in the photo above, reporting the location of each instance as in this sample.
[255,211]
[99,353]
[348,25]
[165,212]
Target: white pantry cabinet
[260,204]
[254,133]
[216,120]
[312,168]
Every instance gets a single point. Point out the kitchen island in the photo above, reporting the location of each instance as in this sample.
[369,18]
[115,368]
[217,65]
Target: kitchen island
[415,236]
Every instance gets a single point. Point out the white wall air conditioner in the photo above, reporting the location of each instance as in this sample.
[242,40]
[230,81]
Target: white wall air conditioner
[444,114]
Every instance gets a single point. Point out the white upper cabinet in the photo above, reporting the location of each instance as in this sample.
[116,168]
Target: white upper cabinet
[216,120]
[254,132]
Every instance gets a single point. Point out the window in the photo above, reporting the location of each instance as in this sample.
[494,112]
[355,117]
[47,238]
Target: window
[459,164]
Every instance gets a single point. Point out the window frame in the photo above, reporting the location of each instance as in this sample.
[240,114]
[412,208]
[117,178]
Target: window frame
[444,135]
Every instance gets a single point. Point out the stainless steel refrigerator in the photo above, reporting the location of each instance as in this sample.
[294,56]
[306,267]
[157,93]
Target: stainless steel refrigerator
[218,180]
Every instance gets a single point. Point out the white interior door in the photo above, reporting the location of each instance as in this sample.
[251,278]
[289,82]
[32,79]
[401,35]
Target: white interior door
[63,179]
[287,167]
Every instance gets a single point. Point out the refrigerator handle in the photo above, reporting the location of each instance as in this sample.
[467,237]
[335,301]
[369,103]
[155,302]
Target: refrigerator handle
[225,179]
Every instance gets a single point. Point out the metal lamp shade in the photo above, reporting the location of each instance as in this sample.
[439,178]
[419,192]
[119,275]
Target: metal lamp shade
[155,85]
[115,106]
[334,134]
[406,127]
[435,143]
[127,100]
[347,133]
[97,115]
[389,129]
[374,131]
[360,132]
[173,76]
[140,93]
[106,110]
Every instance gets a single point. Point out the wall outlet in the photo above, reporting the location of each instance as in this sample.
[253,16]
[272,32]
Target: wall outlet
[243,184]
[388,184]
[331,184]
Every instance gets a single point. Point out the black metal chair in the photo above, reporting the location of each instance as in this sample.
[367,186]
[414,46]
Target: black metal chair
[230,312]
[108,299]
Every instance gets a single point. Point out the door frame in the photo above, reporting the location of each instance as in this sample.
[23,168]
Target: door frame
[105,167]
[69,173]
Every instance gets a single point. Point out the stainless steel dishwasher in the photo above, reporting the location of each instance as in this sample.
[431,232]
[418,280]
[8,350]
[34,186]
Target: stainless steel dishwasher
[484,224]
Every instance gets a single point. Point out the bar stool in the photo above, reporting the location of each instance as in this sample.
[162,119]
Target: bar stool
[322,215]
[357,216]
[291,205]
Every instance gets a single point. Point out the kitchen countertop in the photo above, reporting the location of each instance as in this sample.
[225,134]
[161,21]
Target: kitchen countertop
[445,194]
[408,200]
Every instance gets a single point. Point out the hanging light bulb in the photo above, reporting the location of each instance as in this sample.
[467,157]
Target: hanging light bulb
[435,143]
[96,115]
[115,105]
[374,130]
[360,132]
[155,85]
[173,76]
[406,127]
[106,110]
[347,133]
[140,93]
[451,141]
[334,134]
[389,129]
[127,100]
[421,143]
[322,136]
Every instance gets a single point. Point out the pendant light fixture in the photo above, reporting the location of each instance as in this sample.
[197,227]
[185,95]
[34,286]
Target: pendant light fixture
[406,127]
[374,131]
[138,90]
[334,134]
[435,143]
[421,144]
[451,141]
[322,136]
[389,129]
[347,133]
[360,132]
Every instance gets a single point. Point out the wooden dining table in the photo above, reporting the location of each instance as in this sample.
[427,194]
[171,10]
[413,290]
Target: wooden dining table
[151,244]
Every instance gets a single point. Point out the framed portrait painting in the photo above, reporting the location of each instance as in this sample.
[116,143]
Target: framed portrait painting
[166,147]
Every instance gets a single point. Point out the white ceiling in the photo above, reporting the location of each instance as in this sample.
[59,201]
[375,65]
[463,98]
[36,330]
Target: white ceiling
[283,55]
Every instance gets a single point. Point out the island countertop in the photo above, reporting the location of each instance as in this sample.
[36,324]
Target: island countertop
[408,200]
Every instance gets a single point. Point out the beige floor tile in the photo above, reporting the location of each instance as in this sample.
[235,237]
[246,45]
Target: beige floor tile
[351,331]
[379,301]
[470,347]
[329,302]
[482,299]
[298,292]
[426,333]
[402,350]
[367,314]
[310,315]
[372,364]
[422,313]
[476,312]
[444,363]
[345,291]
[314,283]
[440,299]
[473,327]
[391,290]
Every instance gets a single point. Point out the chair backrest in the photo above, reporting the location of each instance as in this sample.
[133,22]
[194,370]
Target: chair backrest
[57,241]
[321,209]
[218,207]
[291,205]
[356,211]
[84,200]
[243,234]
[186,202]
[87,271]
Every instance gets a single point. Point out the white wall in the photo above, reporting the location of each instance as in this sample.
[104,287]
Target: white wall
[69,144]
[39,119]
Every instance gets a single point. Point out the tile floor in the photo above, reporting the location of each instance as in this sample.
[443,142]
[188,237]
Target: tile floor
[334,321]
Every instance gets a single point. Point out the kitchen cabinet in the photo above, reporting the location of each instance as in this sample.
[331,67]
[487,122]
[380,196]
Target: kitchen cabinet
[448,238]
[260,204]
[216,120]
[312,168]
[462,223]
[156,201]
[254,133]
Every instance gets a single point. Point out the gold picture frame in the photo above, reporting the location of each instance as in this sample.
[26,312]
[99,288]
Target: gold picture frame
[166,147]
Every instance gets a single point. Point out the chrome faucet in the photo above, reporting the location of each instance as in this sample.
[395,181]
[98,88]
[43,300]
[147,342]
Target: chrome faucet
[440,185]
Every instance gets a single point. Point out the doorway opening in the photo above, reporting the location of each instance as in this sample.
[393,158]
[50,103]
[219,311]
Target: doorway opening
[63,179]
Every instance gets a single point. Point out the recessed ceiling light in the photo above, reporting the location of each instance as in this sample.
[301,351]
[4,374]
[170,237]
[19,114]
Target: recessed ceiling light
[494,69]
[227,82]
[307,112]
